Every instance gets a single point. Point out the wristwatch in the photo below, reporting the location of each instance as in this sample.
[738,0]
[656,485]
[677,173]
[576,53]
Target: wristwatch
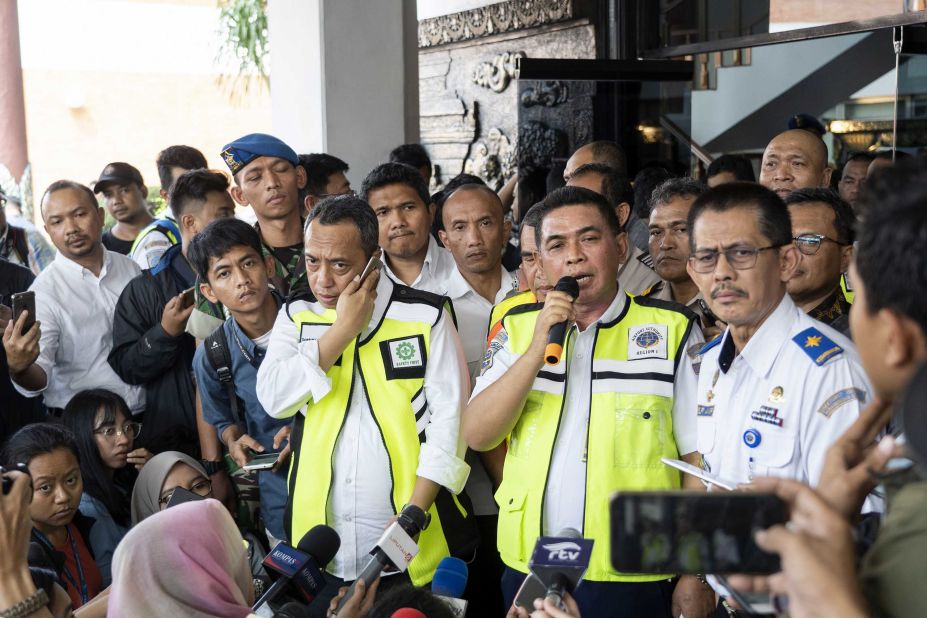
[27,606]
[212,467]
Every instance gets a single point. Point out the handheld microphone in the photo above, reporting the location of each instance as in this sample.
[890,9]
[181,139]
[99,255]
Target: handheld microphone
[560,562]
[449,583]
[396,548]
[557,333]
[300,568]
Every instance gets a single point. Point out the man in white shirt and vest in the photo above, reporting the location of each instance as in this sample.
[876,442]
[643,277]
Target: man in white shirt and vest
[778,387]
[377,396]
[75,299]
[599,420]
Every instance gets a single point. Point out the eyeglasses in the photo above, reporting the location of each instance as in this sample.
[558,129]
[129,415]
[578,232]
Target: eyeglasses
[809,244]
[740,258]
[129,430]
[200,488]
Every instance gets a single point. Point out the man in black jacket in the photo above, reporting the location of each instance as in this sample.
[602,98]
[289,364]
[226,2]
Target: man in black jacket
[150,346]
[18,411]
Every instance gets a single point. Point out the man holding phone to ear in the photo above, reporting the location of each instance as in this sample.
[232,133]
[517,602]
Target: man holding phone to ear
[65,350]
[376,395]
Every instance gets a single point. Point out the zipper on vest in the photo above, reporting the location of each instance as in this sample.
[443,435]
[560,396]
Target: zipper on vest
[567,348]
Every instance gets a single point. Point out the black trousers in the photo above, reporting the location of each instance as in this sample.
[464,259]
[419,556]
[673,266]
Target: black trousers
[608,599]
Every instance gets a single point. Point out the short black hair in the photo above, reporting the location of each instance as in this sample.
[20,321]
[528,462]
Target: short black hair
[574,196]
[395,174]
[772,215]
[60,185]
[112,490]
[37,439]
[405,595]
[217,239]
[738,165]
[844,219]
[413,155]
[532,217]
[887,154]
[675,187]
[194,186]
[645,182]
[614,183]
[319,168]
[185,157]
[347,208]
[891,250]
[860,155]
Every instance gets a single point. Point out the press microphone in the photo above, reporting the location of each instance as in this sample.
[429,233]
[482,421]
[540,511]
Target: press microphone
[560,562]
[300,568]
[449,583]
[558,331]
[396,548]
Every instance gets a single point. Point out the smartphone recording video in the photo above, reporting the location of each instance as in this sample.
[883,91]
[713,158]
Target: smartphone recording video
[693,532]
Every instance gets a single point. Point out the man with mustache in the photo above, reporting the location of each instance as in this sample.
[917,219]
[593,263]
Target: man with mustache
[778,387]
[65,351]
[794,159]
[822,227]
[669,245]
[124,194]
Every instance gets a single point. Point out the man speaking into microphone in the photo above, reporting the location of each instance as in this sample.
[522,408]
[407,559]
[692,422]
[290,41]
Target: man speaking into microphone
[621,396]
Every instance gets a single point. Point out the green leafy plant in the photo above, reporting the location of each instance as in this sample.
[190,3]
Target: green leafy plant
[243,33]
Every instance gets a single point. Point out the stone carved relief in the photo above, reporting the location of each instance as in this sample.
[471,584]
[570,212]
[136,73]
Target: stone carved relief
[537,145]
[492,159]
[493,19]
[497,73]
[548,94]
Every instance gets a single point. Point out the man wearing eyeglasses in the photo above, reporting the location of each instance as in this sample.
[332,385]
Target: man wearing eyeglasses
[822,229]
[778,387]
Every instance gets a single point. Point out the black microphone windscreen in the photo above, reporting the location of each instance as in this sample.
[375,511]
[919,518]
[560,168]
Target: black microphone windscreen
[412,519]
[293,610]
[321,542]
[569,285]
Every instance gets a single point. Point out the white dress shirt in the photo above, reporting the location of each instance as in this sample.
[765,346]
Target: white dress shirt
[76,312]
[565,497]
[436,270]
[473,313]
[360,500]
[775,408]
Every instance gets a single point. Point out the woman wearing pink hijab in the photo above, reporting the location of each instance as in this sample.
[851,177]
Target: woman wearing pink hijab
[189,560]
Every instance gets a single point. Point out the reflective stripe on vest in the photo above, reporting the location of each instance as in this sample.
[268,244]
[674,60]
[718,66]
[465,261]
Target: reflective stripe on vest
[391,365]
[630,428]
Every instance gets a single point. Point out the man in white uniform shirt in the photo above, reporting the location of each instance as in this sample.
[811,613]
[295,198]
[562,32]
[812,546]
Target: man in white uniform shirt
[399,198]
[778,387]
[75,298]
[377,396]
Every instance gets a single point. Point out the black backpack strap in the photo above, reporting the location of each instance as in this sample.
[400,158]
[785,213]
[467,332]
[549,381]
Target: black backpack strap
[217,351]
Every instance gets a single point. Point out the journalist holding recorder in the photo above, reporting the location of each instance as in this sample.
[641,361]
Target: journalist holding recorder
[598,420]
[377,396]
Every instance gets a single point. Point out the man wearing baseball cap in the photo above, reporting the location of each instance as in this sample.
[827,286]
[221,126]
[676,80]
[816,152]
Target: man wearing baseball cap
[268,176]
[124,194]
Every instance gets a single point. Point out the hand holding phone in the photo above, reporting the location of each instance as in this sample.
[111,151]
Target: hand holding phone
[177,312]
[24,302]
[264,461]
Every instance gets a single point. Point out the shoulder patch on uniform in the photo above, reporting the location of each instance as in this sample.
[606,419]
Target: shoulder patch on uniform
[647,301]
[497,343]
[840,398]
[646,259]
[817,345]
[711,344]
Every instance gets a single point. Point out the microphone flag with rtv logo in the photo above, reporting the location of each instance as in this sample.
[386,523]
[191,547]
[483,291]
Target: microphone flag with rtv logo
[449,583]
[560,562]
[396,548]
[299,570]
[557,334]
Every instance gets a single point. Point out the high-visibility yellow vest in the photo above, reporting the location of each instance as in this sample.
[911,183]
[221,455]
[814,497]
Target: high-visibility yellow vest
[630,427]
[391,363]
[847,288]
[499,310]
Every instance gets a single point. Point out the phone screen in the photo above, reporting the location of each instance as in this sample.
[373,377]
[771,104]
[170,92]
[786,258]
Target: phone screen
[181,495]
[693,532]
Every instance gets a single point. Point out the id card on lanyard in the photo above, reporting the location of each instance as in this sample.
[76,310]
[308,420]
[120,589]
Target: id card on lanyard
[80,584]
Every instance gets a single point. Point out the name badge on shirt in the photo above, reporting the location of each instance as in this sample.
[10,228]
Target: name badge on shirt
[647,341]
[404,358]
